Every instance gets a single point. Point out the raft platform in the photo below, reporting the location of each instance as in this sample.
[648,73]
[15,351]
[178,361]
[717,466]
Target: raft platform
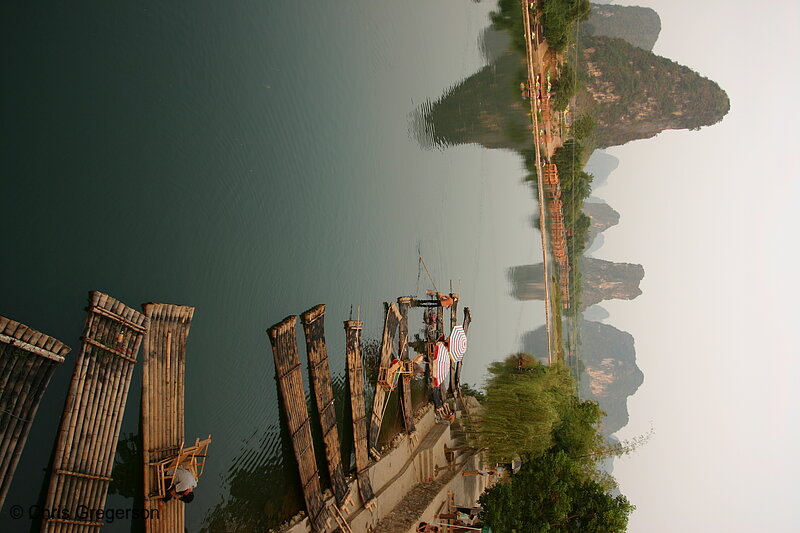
[27,361]
[355,376]
[283,338]
[90,424]
[320,378]
[407,406]
[390,327]
[163,364]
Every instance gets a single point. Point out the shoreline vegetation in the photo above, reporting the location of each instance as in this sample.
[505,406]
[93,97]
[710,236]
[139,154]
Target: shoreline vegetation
[591,90]
[532,412]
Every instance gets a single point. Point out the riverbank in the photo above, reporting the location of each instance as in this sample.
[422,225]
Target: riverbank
[412,480]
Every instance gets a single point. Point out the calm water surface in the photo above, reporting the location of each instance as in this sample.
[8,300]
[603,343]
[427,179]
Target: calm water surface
[251,159]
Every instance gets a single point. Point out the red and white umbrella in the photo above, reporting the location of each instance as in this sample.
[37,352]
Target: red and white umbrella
[441,365]
[458,344]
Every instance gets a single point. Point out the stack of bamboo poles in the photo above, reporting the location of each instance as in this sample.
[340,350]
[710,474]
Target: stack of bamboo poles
[403,304]
[27,361]
[390,327]
[283,338]
[163,363]
[87,437]
[355,375]
[320,374]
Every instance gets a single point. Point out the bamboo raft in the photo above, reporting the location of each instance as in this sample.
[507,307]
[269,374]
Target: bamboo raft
[403,304]
[163,363]
[90,423]
[283,338]
[390,327]
[320,377]
[355,375]
[27,361]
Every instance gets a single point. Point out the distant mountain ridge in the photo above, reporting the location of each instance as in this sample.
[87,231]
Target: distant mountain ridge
[601,280]
[640,26]
[610,373]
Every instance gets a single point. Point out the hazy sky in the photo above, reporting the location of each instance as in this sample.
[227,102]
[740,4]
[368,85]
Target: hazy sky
[710,214]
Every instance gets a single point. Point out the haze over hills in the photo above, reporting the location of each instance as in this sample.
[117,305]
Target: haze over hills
[640,26]
[602,217]
[610,372]
[600,165]
[602,280]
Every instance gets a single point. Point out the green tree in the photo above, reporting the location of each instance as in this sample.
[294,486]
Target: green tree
[576,432]
[553,494]
[565,87]
[583,127]
[521,409]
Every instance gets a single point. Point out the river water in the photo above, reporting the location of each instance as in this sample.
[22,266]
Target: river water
[251,159]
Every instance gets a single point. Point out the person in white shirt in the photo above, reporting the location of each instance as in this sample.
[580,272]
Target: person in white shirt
[183,484]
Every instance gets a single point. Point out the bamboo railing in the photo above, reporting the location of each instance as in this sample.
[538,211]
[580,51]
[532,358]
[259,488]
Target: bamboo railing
[163,363]
[27,361]
[90,423]
[320,378]
[283,338]
[355,376]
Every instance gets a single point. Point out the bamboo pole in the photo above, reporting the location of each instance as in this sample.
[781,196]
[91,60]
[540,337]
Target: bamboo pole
[355,377]
[14,413]
[453,366]
[390,325]
[17,434]
[14,437]
[403,305]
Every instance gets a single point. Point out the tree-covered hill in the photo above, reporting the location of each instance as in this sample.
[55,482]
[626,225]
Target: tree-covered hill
[635,94]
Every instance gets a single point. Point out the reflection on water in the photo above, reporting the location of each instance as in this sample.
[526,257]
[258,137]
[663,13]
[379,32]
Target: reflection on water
[251,160]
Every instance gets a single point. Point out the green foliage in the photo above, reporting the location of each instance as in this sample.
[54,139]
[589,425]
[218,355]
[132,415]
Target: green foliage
[650,93]
[521,409]
[583,127]
[565,87]
[553,494]
[576,433]
[576,186]
[559,18]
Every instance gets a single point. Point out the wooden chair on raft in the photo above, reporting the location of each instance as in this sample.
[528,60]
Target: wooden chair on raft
[388,376]
[191,458]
